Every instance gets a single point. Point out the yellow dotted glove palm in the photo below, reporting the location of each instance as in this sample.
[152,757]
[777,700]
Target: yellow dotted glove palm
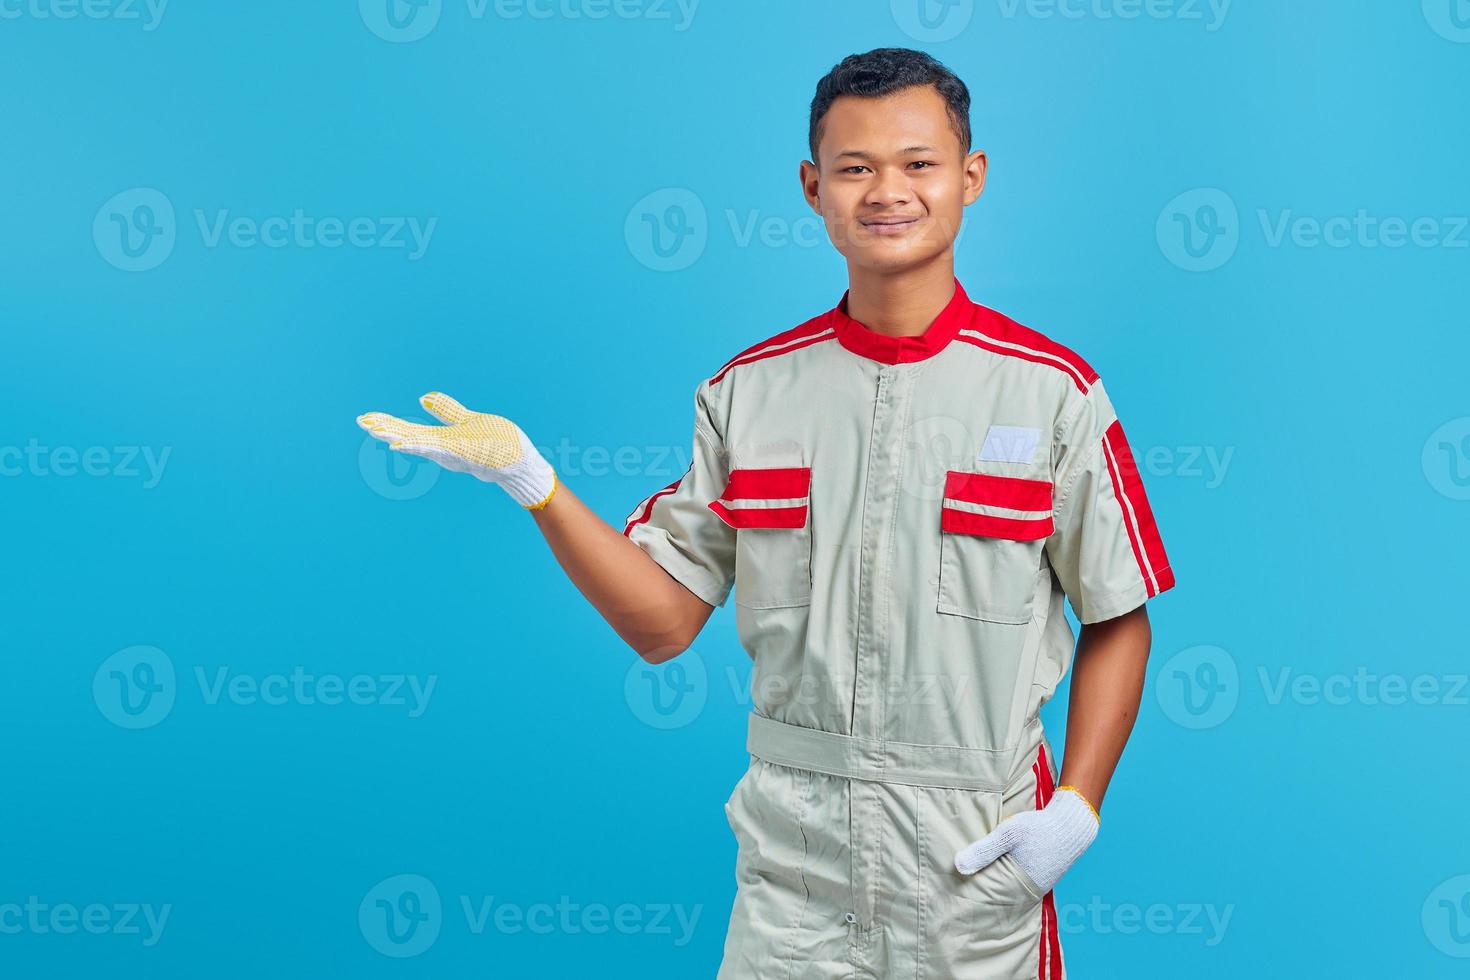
[491,447]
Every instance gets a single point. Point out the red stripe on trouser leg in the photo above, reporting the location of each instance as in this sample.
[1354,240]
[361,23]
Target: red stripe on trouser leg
[1049,958]
[1143,530]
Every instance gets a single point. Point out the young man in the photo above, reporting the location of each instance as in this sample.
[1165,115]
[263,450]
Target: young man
[902,492]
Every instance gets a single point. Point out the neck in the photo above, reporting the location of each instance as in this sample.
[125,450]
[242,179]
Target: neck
[900,304]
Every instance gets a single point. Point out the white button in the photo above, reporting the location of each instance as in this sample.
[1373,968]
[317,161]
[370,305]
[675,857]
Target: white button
[851,917]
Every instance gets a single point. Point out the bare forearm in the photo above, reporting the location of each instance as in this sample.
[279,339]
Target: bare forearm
[1107,686]
[646,606]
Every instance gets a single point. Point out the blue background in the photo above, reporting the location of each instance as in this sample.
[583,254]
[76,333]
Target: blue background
[1331,834]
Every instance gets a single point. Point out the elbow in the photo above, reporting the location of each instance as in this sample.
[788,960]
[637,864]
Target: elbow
[661,646]
[660,651]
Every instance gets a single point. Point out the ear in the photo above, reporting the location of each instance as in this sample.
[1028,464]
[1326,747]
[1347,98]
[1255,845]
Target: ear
[976,165]
[811,185]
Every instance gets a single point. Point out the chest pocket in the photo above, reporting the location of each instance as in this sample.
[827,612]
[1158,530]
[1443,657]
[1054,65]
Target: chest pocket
[992,533]
[768,501]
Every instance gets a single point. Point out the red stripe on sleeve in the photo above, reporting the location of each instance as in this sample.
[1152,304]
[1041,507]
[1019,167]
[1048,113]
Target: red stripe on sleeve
[1143,531]
[648,508]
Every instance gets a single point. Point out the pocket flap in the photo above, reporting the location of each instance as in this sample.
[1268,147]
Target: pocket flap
[772,497]
[996,506]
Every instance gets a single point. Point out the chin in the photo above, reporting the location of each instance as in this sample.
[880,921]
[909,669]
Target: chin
[891,259]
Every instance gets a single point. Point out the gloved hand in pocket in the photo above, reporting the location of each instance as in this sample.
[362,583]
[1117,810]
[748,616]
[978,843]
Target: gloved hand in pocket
[1043,842]
[490,447]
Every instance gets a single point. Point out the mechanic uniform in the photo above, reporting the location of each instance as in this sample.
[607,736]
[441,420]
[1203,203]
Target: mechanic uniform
[901,520]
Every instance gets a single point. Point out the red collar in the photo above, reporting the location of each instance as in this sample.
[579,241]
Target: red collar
[867,342]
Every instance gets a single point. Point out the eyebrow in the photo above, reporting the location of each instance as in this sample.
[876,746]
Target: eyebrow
[868,156]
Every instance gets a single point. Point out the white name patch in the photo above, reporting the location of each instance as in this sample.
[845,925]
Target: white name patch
[1010,444]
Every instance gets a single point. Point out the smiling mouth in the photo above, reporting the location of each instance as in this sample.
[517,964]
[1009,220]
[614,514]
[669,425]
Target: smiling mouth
[889,226]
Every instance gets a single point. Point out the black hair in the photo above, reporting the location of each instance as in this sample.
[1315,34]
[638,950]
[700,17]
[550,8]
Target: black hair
[883,71]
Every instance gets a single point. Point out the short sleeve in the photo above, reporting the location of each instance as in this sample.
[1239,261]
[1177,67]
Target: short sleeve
[1105,546]
[675,524]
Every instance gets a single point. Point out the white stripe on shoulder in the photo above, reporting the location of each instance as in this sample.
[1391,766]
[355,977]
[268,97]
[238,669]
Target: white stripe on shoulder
[777,348]
[1060,362]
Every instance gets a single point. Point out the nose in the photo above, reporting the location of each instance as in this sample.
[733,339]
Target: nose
[890,189]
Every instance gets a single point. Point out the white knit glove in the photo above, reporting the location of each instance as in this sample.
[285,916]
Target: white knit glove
[490,447]
[1044,842]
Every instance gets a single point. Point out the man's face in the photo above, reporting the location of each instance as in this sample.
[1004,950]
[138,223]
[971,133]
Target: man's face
[893,180]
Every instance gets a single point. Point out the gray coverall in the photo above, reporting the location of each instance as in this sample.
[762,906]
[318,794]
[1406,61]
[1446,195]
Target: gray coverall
[901,520]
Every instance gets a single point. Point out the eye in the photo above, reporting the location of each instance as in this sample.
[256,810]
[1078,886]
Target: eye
[856,166]
[926,164]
